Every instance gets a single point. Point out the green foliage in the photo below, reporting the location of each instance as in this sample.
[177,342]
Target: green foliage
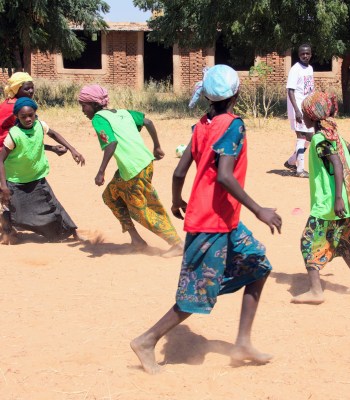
[266,25]
[45,25]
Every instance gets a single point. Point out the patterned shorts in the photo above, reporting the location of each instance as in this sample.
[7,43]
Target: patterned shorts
[323,240]
[218,263]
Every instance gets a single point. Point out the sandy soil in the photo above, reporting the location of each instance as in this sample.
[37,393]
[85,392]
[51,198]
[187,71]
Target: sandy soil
[69,311]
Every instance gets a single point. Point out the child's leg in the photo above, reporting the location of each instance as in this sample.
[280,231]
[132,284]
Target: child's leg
[120,210]
[144,345]
[300,150]
[243,349]
[317,247]
[145,207]
[315,294]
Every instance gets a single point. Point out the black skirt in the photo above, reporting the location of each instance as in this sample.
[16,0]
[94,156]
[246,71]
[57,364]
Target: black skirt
[34,207]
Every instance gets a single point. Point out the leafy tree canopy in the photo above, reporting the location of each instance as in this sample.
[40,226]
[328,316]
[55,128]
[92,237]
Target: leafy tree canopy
[46,25]
[265,25]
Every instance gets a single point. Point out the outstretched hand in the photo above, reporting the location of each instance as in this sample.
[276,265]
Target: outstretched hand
[59,149]
[270,218]
[77,157]
[177,207]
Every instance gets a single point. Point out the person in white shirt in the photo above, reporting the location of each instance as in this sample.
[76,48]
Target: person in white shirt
[300,84]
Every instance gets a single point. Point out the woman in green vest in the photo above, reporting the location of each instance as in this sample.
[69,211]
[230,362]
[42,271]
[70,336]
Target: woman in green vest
[130,194]
[327,231]
[24,166]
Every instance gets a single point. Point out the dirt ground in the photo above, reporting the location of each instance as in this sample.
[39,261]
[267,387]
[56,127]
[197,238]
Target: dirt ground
[69,311]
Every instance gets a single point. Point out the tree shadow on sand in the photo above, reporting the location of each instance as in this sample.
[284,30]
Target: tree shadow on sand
[299,283]
[282,172]
[186,347]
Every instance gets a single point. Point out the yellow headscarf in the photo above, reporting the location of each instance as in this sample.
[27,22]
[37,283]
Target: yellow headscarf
[15,82]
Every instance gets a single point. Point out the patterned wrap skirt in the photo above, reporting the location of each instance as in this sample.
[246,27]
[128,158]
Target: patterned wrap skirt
[218,263]
[323,240]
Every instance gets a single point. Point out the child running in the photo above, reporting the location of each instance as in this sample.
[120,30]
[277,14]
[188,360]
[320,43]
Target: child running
[327,231]
[130,194]
[25,192]
[221,255]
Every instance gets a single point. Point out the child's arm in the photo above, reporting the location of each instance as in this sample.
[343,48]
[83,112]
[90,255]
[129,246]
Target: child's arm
[157,151]
[339,206]
[5,191]
[228,181]
[78,158]
[59,149]
[107,155]
[179,180]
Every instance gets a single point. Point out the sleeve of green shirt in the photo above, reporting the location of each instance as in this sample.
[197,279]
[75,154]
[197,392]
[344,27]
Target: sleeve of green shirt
[104,131]
[138,118]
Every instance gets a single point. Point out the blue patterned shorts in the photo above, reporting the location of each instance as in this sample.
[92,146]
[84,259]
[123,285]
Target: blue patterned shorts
[218,263]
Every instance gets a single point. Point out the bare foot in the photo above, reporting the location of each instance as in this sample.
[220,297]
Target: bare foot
[145,352]
[308,298]
[139,245]
[79,237]
[174,251]
[248,353]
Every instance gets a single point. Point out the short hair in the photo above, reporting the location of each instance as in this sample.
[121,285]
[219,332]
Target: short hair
[303,46]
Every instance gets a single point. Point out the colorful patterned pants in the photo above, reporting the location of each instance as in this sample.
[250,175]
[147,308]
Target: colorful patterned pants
[323,240]
[137,199]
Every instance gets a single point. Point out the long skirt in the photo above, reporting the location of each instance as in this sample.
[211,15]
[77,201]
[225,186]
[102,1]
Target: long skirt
[34,207]
[323,240]
[218,263]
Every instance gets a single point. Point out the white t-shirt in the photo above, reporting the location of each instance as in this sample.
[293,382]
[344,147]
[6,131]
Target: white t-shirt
[301,79]
[8,142]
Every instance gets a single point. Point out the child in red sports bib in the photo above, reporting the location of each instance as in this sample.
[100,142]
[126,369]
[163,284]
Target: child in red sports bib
[220,255]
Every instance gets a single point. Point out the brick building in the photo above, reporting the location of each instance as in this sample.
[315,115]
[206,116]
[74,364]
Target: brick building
[123,56]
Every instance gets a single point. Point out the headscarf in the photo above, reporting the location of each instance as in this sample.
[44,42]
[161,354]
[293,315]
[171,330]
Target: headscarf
[321,107]
[15,82]
[219,83]
[94,94]
[24,102]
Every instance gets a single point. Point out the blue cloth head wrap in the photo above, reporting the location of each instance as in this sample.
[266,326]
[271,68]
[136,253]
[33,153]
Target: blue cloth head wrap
[219,83]
[24,102]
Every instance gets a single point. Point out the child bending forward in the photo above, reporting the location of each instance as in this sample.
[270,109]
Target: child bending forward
[25,192]
[221,255]
[327,231]
[130,194]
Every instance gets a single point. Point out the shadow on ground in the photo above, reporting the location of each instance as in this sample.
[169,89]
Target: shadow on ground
[282,172]
[299,283]
[100,249]
[186,347]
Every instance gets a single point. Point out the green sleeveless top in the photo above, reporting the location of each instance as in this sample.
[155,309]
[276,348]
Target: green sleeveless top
[321,180]
[27,162]
[131,153]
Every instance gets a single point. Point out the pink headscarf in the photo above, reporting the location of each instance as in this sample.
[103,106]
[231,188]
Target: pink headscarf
[94,94]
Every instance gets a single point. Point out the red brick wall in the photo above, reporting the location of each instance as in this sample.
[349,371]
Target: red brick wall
[191,66]
[120,66]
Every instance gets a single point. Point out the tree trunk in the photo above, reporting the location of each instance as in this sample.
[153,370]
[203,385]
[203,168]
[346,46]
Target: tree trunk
[345,83]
